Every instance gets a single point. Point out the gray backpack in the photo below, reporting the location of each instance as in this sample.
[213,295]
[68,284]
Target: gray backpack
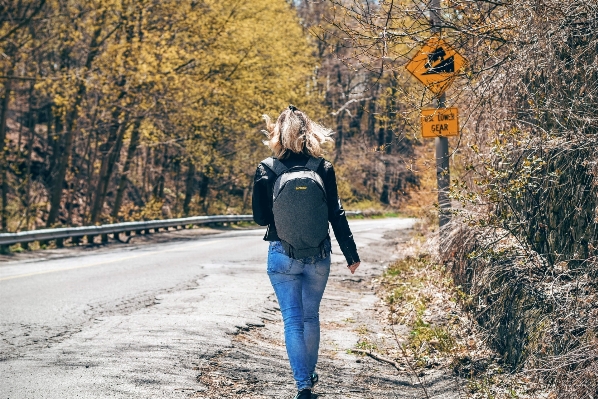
[299,207]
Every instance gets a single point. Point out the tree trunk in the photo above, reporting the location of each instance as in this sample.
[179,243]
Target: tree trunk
[58,180]
[159,186]
[372,117]
[247,193]
[389,126]
[203,191]
[53,147]
[145,174]
[62,164]
[122,184]
[91,160]
[381,138]
[116,135]
[355,123]
[392,113]
[32,121]
[385,195]
[177,177]
[3,163]
[111,155]
[339,135]
[189,187]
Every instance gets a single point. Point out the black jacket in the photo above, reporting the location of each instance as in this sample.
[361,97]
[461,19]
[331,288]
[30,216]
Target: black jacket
[263,185]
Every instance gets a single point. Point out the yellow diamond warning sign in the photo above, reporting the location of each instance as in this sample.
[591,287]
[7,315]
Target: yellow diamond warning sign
[436,65]
[440,122]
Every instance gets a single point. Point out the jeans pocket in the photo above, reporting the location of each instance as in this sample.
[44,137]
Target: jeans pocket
[278,261]
[323,266]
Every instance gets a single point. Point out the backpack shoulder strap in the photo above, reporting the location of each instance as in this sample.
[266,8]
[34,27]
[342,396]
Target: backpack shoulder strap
[313,164]
[274,165]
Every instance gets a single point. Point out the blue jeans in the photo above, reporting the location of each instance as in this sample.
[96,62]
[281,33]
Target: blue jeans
[299,286]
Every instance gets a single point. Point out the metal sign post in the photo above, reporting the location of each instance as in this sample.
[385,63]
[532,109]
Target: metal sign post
[443,176]
[436,65]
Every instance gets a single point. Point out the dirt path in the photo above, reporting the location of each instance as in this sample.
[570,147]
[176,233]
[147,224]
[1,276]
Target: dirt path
[256,365]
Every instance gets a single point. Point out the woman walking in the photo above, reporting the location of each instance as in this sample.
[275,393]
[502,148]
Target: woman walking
[295,195]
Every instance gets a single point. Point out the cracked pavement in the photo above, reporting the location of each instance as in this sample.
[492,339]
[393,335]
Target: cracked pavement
[186,315]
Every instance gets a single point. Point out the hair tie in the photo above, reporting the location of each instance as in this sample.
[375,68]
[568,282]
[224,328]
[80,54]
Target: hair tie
[292,108]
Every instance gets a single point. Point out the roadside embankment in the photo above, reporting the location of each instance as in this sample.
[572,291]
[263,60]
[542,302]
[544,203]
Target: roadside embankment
[540,316]
[435,326]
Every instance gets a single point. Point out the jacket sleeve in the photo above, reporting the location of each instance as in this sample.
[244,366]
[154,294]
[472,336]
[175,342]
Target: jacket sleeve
[338,219]
[261,200]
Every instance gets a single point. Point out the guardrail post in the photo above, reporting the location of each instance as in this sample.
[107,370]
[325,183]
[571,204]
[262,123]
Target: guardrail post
[90,239]
[146,231]
[76,240]
[60,243]
[4,249]
[25,246]
[127,233]
[104,238]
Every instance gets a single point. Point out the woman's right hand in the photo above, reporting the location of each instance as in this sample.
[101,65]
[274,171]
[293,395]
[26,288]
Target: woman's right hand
[354,267]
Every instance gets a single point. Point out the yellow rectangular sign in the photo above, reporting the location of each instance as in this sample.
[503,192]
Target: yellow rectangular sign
[440,122]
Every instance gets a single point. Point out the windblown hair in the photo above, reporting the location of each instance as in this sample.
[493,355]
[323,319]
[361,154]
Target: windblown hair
[295,132]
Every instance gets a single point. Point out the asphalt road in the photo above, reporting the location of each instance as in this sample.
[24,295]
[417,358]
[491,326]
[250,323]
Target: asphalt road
[135,320]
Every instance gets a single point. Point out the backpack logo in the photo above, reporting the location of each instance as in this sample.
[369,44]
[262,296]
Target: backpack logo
[301,188]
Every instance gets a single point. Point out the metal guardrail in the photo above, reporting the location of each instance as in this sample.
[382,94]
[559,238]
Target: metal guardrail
[103,230]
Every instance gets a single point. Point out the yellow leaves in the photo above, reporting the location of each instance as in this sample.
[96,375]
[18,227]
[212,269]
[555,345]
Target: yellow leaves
[149,133]
[198,74]
[60,101]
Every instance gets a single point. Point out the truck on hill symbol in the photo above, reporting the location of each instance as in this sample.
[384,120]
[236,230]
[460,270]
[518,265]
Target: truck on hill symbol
[437,64]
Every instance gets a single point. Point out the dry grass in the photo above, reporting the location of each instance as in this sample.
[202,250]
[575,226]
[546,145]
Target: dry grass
[542,318]
[421,295]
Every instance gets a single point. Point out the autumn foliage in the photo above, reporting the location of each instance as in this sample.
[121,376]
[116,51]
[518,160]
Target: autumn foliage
[118,110]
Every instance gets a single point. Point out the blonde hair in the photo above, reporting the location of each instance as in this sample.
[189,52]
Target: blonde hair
[295,132]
